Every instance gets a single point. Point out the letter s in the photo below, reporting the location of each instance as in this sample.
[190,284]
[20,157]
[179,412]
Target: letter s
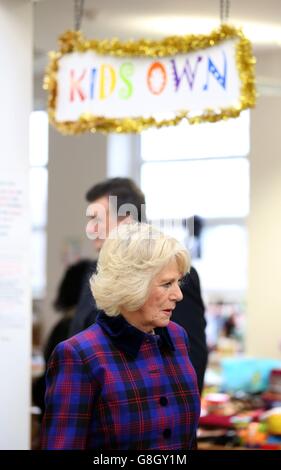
[126,70]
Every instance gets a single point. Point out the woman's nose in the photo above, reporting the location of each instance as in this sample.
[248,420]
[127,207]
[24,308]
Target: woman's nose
[177,293]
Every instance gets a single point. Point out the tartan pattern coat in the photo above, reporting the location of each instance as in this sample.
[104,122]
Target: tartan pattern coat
[114,387]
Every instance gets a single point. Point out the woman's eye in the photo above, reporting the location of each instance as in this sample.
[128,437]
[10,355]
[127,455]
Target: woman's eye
[167,284]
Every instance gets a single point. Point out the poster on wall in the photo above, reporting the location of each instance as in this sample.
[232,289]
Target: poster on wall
[127,87]
[14,259]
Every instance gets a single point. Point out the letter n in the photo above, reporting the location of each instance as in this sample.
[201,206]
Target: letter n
[212,69]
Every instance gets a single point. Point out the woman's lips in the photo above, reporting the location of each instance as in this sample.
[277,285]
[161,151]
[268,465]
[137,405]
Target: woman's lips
[168,311]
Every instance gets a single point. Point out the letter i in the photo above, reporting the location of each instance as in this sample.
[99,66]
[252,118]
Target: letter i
[92,83]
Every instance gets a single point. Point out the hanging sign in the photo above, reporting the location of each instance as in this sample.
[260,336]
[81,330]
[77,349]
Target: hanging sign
[127,87]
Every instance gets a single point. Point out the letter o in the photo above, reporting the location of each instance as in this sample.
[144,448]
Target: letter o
[151,70]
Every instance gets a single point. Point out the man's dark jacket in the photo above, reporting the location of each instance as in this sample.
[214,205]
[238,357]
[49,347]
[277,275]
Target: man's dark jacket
[189,313]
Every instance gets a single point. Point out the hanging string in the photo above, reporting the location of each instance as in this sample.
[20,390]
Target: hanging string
[78,13]
[224,10]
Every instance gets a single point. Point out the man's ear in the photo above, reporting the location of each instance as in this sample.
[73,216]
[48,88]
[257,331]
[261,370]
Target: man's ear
[128,219]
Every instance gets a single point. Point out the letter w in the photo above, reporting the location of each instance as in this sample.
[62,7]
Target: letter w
[187,71]
[75,86]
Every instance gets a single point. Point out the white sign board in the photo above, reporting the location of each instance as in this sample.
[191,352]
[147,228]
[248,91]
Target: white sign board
[115,86]
[120,87]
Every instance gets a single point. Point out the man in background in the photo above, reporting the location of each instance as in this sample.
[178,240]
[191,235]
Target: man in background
[111,202]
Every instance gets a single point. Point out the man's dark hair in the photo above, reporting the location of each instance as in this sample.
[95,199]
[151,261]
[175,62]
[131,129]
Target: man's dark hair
[125,189]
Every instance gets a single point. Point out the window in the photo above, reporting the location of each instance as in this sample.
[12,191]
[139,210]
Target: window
[208,188]
[38,194]
[222,139]
[203,170]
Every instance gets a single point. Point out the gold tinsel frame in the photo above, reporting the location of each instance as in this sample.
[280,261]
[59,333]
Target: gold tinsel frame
[73,41]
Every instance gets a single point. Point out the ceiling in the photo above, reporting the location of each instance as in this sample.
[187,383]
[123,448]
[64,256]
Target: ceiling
[133,19]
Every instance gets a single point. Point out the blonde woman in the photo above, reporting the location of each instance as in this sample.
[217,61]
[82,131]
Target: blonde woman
[127,381]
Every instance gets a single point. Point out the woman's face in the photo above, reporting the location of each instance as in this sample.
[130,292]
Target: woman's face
[163,295]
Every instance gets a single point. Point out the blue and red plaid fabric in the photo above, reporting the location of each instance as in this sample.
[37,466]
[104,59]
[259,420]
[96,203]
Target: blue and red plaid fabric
[114,387]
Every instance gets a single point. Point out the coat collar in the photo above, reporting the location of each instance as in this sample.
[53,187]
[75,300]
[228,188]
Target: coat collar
[127,338]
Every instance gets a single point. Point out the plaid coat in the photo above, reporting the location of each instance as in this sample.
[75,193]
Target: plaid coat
[115,387]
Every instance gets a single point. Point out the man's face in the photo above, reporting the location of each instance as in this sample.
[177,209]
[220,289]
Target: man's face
[102,219]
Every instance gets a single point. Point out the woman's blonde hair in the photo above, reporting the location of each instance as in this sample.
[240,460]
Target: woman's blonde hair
[130,258]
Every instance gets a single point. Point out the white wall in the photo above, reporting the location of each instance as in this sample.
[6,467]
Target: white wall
[264,301]
[15,308]
[123,156]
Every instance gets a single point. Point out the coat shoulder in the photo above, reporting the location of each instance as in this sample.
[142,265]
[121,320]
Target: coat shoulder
[89,340]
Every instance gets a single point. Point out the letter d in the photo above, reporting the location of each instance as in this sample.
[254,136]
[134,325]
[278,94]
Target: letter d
[107,81]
